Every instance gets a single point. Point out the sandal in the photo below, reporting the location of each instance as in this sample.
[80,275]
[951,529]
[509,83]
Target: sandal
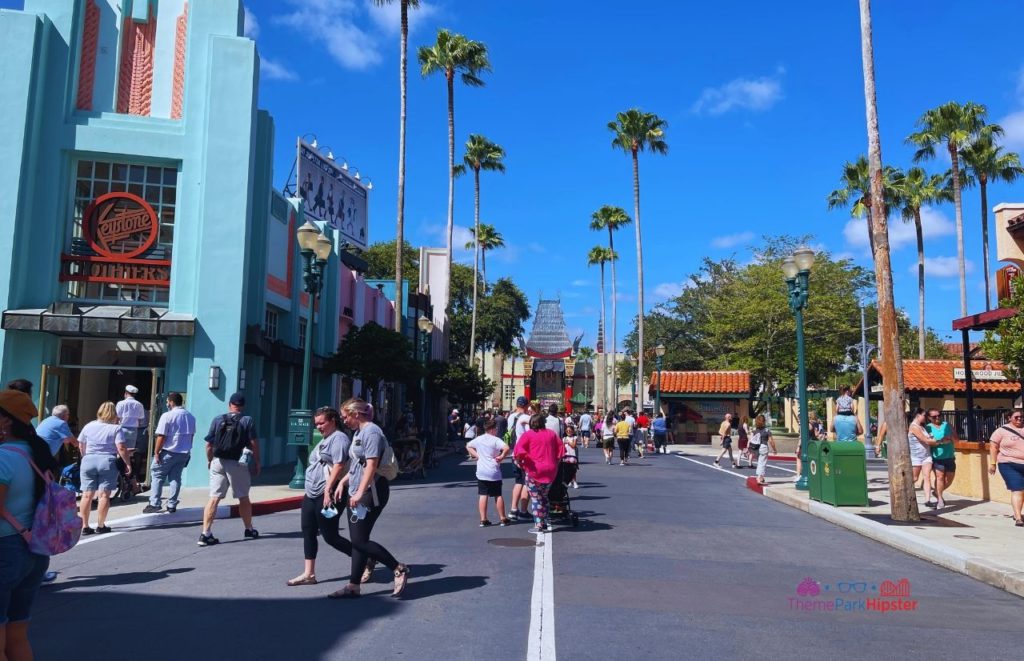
[302,580]
[1019,523]
[401,577]
[347,592]
[368,571]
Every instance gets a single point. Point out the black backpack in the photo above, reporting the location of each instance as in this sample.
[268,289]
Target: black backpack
[230,437]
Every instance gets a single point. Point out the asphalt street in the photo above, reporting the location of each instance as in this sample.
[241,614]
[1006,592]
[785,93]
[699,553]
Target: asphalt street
[672,559]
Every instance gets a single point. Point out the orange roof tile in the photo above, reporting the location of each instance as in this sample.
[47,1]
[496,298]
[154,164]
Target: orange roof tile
[937,376]
[718,383]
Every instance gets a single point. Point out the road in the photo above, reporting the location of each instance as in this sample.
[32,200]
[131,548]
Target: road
[673,559]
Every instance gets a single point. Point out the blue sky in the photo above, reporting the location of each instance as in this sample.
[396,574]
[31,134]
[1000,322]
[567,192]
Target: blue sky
[764,103]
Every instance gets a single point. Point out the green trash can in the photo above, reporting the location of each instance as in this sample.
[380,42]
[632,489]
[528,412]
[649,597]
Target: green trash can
[844,475]
[814,469]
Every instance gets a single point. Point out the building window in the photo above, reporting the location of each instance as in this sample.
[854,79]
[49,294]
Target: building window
[270,323]
[302,332]
[159,187]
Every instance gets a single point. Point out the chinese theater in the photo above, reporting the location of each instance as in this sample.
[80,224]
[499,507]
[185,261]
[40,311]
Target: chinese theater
[549,362]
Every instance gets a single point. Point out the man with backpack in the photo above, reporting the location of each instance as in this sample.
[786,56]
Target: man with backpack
[231,434]
[518,423]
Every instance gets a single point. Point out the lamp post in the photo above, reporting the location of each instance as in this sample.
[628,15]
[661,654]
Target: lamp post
[659,355]
[634,362]
[315,248]
[426,327]
[797,269]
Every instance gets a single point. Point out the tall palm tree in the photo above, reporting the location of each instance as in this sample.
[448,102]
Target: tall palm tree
[901,488]
[918,188]
[855,192]
[481,155]
[953,125]
[400,228]
[636,131]
[611,218]
[453,54]
[490,239]
[985,162]
[599,256]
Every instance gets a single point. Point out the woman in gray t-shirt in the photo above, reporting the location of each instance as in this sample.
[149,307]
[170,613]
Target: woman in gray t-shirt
[327,463]
[366,490]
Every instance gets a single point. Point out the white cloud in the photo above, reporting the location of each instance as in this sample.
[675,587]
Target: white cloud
[731,240]
[755,94]
[251,26]
[460,237]
[272,70]
[581,283]
[934,223]
[387,18]
[1013,125]
[943,267]
[668,290]
[624,298]
[332,23]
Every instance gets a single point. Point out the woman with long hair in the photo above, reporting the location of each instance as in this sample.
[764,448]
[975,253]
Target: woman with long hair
[101,442]
[608,437]
[539,451]
[921,451]
[368,496]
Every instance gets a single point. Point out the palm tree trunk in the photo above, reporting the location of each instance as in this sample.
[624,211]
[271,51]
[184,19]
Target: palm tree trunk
[449,76]
[476,260]
[400,229]
[983,184]
[483,266]
[901,485]
[615,323]
[920,283]
[954,157]
[640,284]
[604,324]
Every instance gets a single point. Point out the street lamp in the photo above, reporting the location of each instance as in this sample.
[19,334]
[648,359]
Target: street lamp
[426,326]
[634,362]
[659,355]
[797,269]
[315,249]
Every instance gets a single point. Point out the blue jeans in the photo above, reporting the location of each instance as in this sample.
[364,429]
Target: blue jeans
[21,572]
[167,470]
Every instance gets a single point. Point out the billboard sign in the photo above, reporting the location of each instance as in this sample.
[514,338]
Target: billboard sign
[330,195]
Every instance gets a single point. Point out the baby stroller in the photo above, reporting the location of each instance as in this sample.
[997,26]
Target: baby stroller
[559,507]
[70,478]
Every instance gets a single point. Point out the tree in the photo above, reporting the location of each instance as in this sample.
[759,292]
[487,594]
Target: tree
[910,335]
[1006,342]
[460,383]
[600,256]
[636,131]
[402,78]
[372,353]
[490,239]
[954,125]
[855,192]
[985,162]
[453,54]
[586,357]
[380,258]
[901,484]
[611,218]
[461,311]
[917,188]
[481,154]
[503,311]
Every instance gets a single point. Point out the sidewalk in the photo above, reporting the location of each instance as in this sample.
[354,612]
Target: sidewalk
[969,536]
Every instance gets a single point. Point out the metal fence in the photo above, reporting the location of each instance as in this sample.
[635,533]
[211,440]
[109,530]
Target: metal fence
[985,422]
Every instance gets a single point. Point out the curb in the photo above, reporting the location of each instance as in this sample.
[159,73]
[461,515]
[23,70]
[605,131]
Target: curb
[992,573]
[270,506]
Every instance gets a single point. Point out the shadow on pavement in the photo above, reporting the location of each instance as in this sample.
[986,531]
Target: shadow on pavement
[104,580]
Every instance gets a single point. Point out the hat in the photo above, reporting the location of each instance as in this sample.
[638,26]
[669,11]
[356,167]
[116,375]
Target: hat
[18,405]
[455,411]
[522,401]
[131,389]
[238,399]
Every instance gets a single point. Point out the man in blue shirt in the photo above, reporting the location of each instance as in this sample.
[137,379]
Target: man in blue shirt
[173,449]
[55,431]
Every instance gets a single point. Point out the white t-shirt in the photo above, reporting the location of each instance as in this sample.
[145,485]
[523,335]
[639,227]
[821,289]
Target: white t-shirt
[519,423]
[570,451]
[585,422]
[631,421]
[487,448]
[469,431]
[554,424]
[131,412]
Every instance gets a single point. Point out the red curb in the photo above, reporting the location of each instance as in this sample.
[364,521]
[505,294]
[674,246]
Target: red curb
[271,506]
[754,486]
[781,457]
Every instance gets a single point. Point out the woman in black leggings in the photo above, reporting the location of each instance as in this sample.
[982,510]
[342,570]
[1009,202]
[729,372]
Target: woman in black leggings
[623,433]
[368,496]
[327,462]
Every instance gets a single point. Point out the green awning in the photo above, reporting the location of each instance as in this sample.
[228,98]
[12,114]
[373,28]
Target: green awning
[579,398]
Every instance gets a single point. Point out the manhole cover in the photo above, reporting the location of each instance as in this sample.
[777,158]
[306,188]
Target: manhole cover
[514,542]
[966,537]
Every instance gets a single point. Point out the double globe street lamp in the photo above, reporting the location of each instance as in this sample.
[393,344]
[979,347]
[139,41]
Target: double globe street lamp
[659,355]
[797,270]
[426,327]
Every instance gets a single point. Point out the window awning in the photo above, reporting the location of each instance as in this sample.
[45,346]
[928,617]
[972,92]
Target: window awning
[109,321]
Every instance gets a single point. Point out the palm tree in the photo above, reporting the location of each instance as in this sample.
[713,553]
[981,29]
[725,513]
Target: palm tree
[985,162]
[481,154]
[636,131]
[917,188]
[954,125]
[490,239]
[453,54]
[400,229]
[586,356]
[599,256]
[855,192]
[901,487]
[611,218]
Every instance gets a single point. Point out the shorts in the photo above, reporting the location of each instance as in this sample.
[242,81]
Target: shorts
[228,471]
[21,574]
[947,465]
[608,443]
[99,472]
[1013,475]
[131,437]
[727,441]
[920,456]
[585,434]
[518,475]
[491,488]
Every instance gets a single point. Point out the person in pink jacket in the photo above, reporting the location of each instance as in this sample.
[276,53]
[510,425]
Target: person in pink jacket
[538,452]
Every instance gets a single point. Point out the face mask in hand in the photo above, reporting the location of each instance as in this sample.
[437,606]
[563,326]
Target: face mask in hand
[359,512]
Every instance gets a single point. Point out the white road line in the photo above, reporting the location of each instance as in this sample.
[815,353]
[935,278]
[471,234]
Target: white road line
[713,467]
[185,515]
[541,642]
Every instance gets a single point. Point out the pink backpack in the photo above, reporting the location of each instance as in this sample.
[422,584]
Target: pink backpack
[56,526]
